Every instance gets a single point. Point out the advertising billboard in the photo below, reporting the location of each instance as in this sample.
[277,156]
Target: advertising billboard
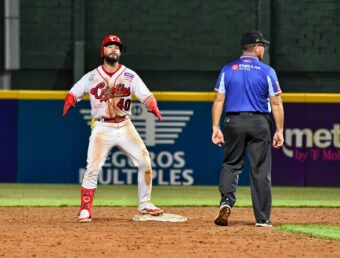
[40,146]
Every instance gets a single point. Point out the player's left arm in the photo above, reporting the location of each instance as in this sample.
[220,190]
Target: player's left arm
[277,108]
[145,96]
[151,104]
[278,114]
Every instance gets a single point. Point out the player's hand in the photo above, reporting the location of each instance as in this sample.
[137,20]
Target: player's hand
[153,108]
[278,139]
[217,137]
[69,102]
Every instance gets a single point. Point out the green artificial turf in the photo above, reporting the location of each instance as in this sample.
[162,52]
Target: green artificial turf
[326,232]
[126,195]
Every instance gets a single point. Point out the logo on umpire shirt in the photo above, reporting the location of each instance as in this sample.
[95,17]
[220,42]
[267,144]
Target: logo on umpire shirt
[149,128]
[234,67]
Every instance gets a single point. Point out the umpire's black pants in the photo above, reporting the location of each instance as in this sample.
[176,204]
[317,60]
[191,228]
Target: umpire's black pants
[251,132]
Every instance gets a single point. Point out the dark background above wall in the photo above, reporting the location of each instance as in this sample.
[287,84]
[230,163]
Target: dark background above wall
[178,45]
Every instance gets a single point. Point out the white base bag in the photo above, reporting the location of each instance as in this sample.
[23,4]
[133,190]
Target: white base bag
[165,217]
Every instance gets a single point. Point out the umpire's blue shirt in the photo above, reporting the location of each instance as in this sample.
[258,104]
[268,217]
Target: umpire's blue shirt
[248,84]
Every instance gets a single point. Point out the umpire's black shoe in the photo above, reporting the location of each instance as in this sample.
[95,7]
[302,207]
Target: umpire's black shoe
[223,215]
[264,224]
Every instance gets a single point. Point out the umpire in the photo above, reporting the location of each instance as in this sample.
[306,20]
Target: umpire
[248,91]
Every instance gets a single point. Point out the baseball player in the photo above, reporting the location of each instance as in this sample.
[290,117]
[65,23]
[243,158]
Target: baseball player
[110,87]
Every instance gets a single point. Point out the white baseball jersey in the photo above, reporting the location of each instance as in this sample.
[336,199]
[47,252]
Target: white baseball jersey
[111,96]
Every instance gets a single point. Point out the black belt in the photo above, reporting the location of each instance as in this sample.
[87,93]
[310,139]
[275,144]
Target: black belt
[246,113]
[116,119]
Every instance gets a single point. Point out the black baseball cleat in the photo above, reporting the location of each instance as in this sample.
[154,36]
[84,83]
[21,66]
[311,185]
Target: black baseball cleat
[223,215]
[264,224]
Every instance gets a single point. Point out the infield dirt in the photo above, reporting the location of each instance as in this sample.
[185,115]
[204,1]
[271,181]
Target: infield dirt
[54,232]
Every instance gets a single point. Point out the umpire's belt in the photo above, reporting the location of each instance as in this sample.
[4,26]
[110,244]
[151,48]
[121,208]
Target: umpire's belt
[116,119]
[245,113]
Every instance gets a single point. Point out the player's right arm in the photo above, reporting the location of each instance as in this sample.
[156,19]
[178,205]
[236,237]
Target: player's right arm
[217,109]
[69,102]
[75,94]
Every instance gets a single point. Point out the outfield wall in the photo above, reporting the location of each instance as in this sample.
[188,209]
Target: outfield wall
[38,145]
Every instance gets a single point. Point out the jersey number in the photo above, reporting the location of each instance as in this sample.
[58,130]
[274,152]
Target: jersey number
[124,104]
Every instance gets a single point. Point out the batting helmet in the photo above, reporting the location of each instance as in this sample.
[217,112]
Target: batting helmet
[111,39]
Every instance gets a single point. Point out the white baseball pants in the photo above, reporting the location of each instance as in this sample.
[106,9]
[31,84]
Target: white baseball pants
[104,137]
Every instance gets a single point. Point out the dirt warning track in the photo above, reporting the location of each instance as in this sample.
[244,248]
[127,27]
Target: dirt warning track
[54,232]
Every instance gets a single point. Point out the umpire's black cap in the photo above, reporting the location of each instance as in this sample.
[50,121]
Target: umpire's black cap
[253,37]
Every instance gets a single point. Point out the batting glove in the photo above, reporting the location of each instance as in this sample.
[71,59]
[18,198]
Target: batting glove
[70,101]
[153,108]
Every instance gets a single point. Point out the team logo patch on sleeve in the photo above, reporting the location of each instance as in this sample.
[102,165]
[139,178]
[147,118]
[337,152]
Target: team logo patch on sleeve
[234,67]
[128,76]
